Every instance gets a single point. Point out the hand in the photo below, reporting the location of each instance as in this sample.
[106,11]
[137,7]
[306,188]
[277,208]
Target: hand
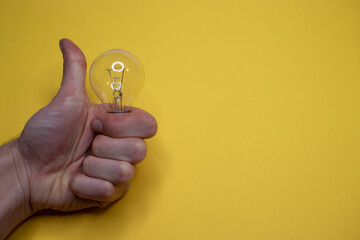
[75,154]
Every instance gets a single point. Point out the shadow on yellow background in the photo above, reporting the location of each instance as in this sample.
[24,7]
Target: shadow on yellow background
[257,104]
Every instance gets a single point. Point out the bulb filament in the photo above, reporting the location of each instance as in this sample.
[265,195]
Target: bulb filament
[116,73]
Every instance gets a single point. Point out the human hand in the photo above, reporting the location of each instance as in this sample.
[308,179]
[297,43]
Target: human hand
[74,154]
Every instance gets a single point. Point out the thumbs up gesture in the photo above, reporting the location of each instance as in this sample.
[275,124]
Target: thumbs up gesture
[72,154]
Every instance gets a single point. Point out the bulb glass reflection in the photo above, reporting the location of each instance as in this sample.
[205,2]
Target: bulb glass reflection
[116,77]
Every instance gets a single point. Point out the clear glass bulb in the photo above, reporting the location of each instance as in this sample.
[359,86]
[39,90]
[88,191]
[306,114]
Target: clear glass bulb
[116,77]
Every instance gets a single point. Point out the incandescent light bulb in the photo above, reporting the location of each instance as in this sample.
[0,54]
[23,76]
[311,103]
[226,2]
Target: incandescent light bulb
[116,77]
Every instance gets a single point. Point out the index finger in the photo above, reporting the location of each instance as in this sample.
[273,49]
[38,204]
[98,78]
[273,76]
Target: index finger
[137,123]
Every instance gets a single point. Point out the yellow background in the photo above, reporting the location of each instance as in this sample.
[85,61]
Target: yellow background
[258,105]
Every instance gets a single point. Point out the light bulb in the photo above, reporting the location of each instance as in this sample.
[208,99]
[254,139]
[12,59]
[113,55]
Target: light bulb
[117,76]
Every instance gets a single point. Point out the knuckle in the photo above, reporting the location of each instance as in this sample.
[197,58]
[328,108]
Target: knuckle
[151,126]
[125,172]
[107,191]
[138,150]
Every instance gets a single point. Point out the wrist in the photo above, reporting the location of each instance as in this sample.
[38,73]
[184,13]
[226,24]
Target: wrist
[14,187]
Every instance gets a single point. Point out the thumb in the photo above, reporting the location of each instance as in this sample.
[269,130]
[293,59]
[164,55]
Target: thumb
[74,66]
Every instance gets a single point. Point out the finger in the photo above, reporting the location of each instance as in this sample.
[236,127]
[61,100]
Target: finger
[116,172]
[121,189]
[137,123]
[74,66]
[96,189]
[132,150]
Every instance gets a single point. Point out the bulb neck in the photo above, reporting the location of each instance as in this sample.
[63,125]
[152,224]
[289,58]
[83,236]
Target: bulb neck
[120,112]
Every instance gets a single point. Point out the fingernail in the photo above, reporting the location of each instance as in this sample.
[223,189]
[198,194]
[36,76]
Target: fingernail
[96,125]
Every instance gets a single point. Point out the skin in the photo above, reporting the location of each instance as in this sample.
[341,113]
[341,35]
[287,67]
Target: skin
[72,154]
